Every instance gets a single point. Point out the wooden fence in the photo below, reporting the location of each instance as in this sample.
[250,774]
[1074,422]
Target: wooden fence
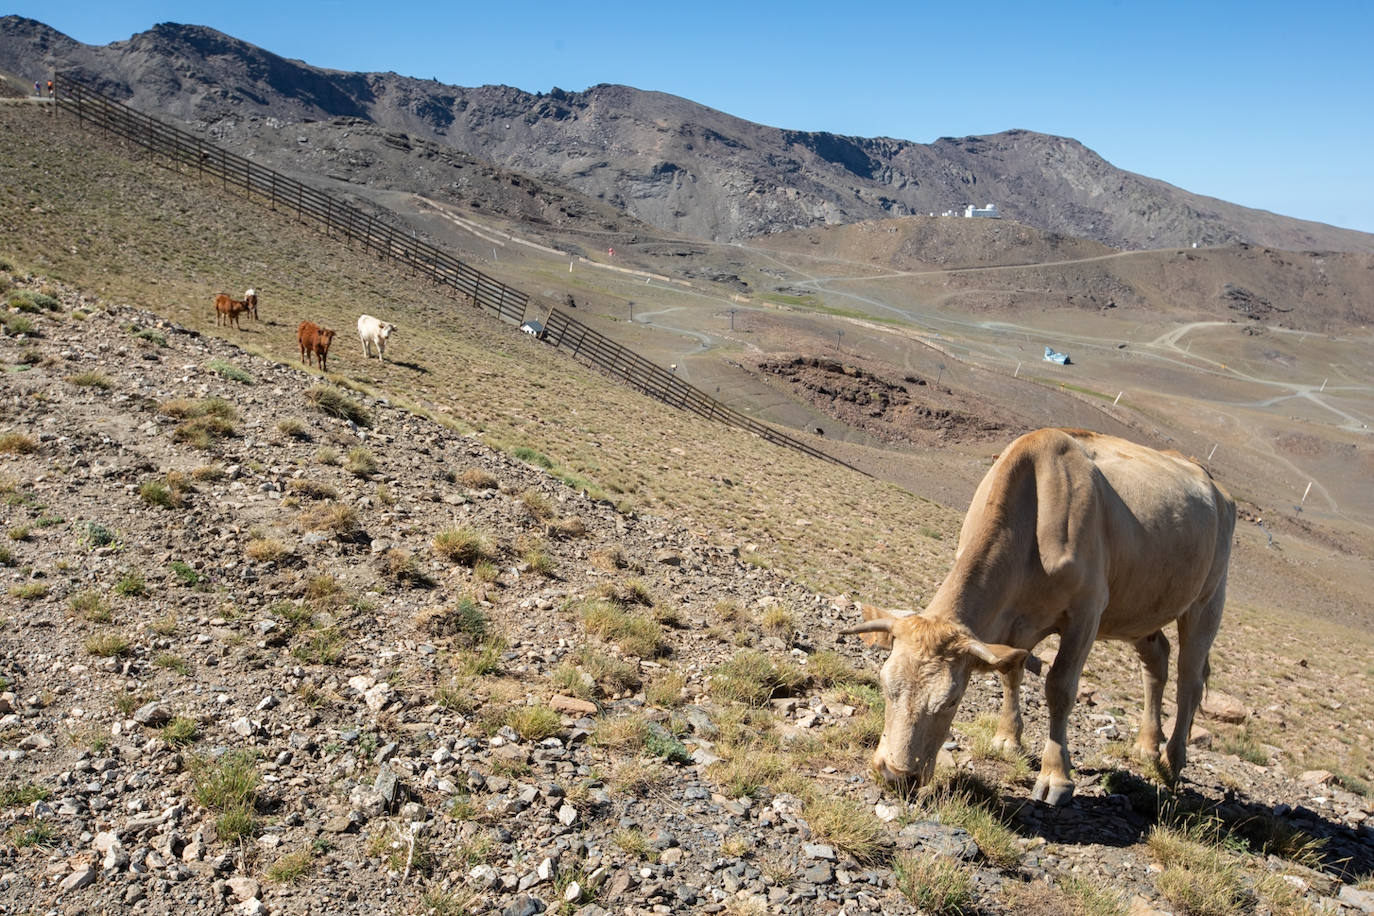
[183,150]
[567,333]
[279,192]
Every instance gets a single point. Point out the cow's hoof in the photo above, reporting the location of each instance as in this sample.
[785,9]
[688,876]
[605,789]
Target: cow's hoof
[1006,746]
[1052,793]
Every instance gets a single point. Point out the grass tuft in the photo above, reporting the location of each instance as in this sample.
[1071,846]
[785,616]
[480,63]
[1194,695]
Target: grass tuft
[332,402]
[935,884]
[230,371]
[17,444]
[753,678]
[227,786]
[464,546]
[534,723]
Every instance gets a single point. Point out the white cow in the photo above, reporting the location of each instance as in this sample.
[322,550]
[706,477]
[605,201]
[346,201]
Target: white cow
[373,332]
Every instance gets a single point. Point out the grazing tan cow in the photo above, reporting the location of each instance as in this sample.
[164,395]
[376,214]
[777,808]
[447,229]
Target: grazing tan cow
[314,341]
[227,310]
[1075,533]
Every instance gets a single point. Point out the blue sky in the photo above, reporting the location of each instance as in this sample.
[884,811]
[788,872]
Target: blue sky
[1265,104]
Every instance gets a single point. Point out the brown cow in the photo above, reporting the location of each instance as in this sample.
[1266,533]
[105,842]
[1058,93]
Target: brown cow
[314,341]
[227,310]
[1075,533]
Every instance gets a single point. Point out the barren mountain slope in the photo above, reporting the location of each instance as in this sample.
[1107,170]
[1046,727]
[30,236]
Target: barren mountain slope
[287,660]
[290,616]
[666,160]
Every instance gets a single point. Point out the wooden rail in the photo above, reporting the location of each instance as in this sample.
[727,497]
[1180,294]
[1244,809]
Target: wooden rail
[182,150]
[568,334]
[280,192]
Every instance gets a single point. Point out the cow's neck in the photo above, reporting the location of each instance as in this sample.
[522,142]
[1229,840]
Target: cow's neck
[979,591]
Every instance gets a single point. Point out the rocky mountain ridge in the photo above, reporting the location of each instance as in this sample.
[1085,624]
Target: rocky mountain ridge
[667,161]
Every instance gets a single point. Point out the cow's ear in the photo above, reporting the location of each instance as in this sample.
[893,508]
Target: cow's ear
[879,638]
[995,657]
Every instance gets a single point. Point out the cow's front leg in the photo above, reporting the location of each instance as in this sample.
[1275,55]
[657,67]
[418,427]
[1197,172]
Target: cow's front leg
[1007,739]
[1054,787]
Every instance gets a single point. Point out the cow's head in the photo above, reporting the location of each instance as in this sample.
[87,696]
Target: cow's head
[326,336]
[923,680]
[385,330]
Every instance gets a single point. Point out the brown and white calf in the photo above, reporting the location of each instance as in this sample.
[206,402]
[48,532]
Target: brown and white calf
[314,341]
[250,300]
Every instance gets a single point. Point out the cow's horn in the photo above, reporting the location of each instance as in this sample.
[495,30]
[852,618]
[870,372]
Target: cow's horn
[883,625]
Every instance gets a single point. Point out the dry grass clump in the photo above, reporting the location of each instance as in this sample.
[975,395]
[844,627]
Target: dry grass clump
[847,824]
[622,733]
[538,505]
[191,408]
[478,479]
[311,489]
[360,462]
[228,787]
[827,668]
[291,867]
[91,606]
[293,428]
[91,379]
[638,778]
[935,883]
[109,645]
[204,422]
[1201,875]
[401,567]
[608,559]
[168,493]
[534,723]
[964,800]
[321,646]
[17,444]
[635,634]
[465,546]
[332,402]
[666,690]
[591,673]
[208,473]
[336,518]
[568,528]
[537,560]
[776,620]
[29,591]
[464,620]
[753,678]
[265,550]
[228,370]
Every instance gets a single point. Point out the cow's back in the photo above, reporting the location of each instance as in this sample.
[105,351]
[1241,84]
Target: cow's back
[1168,527]
[1071,511]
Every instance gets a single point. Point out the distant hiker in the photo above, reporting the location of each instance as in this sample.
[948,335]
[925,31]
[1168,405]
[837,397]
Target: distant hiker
[49,88]
[36,91]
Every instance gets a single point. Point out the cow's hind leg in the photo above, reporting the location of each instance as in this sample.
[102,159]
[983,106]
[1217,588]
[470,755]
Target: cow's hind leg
[1007,739]
[1154,666]
[1196,630]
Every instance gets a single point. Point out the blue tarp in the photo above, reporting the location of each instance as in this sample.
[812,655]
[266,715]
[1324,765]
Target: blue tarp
[1054,356]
